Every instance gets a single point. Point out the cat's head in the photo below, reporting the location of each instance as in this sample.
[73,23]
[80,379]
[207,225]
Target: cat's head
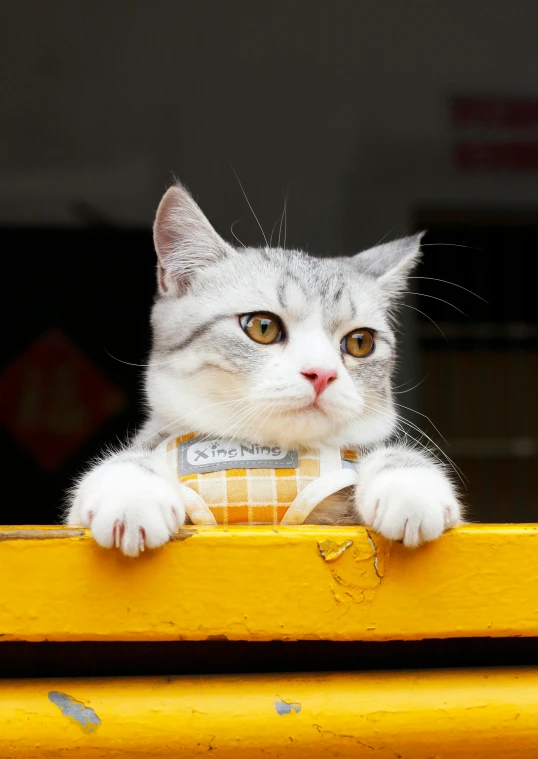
[269,344]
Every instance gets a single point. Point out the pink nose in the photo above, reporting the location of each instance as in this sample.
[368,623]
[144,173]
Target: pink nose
[320,378]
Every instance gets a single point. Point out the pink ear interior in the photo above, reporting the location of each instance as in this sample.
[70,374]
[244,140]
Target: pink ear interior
[166,233]
[161,279]
[184,240]
[166,221]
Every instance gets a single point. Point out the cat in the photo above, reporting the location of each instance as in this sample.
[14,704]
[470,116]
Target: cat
[273,346]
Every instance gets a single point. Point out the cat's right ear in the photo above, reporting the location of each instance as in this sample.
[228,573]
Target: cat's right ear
[184,241]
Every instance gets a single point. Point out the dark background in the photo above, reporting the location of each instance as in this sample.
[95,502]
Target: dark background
[373,119]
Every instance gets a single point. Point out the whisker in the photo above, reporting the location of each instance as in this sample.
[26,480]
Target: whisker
[447,282]
[129,363]
[211,405]
[424,417]
[272,232]
[414,426]
[403,384]
[402,392]
[250,206]
[391,230]
[271,409]
[285,216]
[427,317]
[450,245]
[243,421]
[414,247]
[234,235]
[179,418]
[452,464]
[434,297]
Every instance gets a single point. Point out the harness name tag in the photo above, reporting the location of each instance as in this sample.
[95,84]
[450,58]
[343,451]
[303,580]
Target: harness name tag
[204,454]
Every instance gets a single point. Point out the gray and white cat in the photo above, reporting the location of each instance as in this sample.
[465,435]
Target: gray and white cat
[277,347]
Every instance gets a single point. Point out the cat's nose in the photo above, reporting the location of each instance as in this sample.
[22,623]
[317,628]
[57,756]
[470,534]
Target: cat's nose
[320,378]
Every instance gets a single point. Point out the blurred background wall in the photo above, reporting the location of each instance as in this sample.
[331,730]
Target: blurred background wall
[373,118]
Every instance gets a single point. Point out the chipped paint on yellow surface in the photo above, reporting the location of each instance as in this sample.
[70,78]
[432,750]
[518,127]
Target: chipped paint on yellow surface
[75,711]
[331,550]
[262,583]
[466,714]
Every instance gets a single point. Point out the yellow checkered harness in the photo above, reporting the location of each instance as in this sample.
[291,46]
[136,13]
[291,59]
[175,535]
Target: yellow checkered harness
[254,495]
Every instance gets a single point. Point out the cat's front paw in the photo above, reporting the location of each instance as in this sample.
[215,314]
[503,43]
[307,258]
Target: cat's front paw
[410,505]
[127,507]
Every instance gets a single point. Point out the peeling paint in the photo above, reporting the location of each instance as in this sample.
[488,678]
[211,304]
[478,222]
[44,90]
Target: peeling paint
[286,707]
[331,551]
[84,716]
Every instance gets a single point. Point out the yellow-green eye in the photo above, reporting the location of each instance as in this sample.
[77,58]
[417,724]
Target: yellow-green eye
[359,343]
[262,328]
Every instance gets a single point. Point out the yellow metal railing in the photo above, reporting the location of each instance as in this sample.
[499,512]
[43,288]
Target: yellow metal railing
[304,583]
[468,714]
[262,584]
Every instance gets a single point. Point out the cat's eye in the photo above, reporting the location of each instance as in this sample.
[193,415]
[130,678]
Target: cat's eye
[359,343]
[262,328]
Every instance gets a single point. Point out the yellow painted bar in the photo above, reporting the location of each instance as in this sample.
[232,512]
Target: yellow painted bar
[260,583]
[468,714]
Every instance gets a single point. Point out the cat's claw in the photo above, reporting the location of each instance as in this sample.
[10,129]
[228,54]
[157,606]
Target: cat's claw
[119,530]
[413,505]
[128,508]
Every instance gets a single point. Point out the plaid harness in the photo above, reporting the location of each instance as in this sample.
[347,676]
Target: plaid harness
[234,482]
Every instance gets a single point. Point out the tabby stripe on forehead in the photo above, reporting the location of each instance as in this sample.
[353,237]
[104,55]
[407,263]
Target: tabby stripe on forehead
[338,294]
[198,332]
[288,276]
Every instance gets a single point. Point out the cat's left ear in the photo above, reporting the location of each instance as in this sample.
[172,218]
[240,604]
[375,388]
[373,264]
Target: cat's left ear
[392,262]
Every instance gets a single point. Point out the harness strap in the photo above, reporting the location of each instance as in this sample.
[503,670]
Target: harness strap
[316,492]
[195,507]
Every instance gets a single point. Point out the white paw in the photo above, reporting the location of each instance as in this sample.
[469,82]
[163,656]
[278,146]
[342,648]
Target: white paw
[127,507]
[410,505]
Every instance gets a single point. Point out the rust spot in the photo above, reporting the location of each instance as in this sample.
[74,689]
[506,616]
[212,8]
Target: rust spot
[217,637]
[331,551]
[40,534]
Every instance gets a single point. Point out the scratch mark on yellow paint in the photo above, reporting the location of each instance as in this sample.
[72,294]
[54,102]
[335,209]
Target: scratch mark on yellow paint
[374,549]
[84,716]
[321,731]
[352,591]
[331,551]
